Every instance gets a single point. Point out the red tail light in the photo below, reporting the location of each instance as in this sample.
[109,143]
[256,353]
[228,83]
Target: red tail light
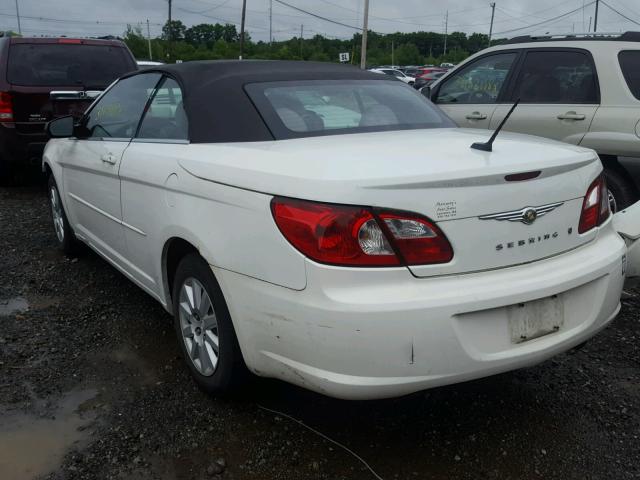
[359,236]
[595,207]
[6,107]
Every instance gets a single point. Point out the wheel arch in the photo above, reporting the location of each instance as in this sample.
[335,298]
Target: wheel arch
[174,250]
[628,167]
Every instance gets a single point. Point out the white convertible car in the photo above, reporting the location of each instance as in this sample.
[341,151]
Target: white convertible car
[332,228]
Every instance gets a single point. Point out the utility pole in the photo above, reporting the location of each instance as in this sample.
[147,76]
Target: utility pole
[446,31]
[244,13]
[493,14]
[270,22]
[18,17]
[590,20]
[149,40]
[301,34]
[393,62]
[595,21]
[365,27]
[170,25]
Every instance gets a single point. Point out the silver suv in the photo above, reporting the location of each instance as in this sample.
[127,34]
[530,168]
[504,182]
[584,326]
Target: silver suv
[581,88]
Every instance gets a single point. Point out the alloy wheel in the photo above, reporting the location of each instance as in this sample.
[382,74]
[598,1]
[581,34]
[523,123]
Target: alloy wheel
[56,211]
[613,204]
[199,326]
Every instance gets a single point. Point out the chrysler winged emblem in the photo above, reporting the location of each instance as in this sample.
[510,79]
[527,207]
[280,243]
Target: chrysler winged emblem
[526,215]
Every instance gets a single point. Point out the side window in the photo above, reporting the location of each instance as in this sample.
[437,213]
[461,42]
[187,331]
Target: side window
[557,77]
[630,65]
[165,118]
[479,82]
[118,112]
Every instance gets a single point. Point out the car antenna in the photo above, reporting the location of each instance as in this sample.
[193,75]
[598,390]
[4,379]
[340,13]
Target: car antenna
[488,146]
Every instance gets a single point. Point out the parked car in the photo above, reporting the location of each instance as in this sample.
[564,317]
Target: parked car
[426,80]
[46,78]
[394,73]
[429,71]
[283,236]
[580,89]
[148,63]
[447,65]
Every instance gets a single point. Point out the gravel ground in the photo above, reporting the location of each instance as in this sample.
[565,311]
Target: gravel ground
[77,333]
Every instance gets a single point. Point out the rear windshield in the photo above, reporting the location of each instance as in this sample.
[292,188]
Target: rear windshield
[630,65]
[326,107]
[90,66]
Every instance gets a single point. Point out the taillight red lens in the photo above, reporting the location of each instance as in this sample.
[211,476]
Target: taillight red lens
[6,107]
[595,207]
[333,234]
[352,236]
[418,240]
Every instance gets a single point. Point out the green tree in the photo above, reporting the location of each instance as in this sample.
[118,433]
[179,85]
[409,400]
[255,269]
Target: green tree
[230,34]
[408,54]
[204,33]
[174,30]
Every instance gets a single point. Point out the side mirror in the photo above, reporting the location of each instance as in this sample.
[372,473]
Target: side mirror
[62,127]
[426,91]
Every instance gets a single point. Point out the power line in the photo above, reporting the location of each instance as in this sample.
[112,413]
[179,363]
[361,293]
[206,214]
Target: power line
[61,20]
[545,21]
[220,19]
[214,7]
[619,13]
[318,16]
[538,12]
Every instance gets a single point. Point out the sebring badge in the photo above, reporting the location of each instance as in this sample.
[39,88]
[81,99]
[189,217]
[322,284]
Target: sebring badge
[526,215]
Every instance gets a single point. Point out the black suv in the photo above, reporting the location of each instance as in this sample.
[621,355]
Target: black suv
[45,78]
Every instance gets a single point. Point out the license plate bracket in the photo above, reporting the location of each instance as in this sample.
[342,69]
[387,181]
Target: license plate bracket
[535,319]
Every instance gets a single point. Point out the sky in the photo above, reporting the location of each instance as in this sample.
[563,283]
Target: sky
[512,17]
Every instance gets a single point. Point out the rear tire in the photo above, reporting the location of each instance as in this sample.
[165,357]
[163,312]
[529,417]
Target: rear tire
[204,328]
[6,177]
[622,192]
[64,233]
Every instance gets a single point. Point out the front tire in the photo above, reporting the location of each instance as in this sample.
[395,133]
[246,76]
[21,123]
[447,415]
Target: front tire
[64,233]
[204,328]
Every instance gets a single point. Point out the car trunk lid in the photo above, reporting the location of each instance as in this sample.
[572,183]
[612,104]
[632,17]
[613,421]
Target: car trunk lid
[490,220]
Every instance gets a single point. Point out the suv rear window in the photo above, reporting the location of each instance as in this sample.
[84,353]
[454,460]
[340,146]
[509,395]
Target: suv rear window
[630,65]
[44,64]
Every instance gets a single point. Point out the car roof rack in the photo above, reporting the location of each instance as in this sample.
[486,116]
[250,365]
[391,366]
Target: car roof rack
[610,36]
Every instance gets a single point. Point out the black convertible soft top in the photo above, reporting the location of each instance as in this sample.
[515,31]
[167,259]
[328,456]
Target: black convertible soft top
[216,104]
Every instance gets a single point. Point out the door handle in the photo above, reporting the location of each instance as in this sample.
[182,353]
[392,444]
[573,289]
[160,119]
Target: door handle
[571,116]
[109,158]
[476,116]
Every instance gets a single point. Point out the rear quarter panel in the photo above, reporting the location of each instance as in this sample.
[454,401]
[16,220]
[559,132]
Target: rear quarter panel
[614,130]
[232,228]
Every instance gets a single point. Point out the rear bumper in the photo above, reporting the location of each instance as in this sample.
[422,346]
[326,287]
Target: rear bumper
[21,148]
[362,334]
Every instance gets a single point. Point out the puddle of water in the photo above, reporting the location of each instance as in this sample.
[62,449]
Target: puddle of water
[13,305]
[31,446]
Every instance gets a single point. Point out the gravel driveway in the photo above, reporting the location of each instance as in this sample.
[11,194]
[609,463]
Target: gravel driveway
[91,386]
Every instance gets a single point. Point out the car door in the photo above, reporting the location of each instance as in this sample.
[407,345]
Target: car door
[149,172]
[470,95]
[558,92]
[91,164]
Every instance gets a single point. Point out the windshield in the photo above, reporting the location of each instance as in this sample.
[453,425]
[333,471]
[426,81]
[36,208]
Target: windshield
[89,66]
[325,107]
